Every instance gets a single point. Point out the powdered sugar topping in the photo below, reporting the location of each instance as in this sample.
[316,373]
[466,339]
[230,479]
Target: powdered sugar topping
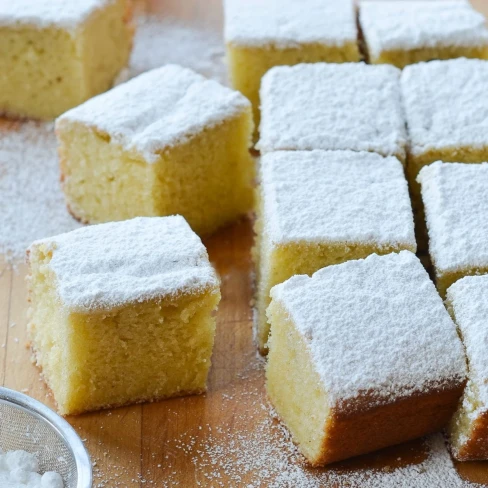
[158,109]
[338,196]
[288,23]
[67,14]
[446,104]
[20,469]
[468,298]
[375,326]
[108,265]
[332,106]
[404,25]
[455,198]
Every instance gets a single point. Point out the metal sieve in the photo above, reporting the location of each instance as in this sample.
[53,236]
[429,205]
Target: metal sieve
[29,425]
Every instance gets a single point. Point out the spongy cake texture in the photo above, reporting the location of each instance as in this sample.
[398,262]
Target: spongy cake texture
[440,29]
[319,208]
[332,106]
[455,198]
[122,313]
[57,54]
[167,142]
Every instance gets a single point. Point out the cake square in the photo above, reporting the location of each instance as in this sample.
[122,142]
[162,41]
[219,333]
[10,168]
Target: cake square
[167,142]
[122,313]
[406,32]
[370,356]
[260,34]
[446,107]
[318,208]
[333,106]
[455,199]
[467,300]
[55,54]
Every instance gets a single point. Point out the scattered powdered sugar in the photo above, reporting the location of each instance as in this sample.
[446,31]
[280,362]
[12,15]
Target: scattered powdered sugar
[32,205]
[160,41]
[107,265]
[20,469]
[253,449]
[375,325]
[250,448]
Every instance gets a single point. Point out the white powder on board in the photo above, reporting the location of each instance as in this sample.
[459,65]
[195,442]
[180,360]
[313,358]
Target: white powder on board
[252,449]
[31,202]
[262,454]
[161,41]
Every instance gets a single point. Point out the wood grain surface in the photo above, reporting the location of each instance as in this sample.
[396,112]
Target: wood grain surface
[168,443]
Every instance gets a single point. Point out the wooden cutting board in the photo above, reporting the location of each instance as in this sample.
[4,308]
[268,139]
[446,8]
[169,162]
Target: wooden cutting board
[191,441]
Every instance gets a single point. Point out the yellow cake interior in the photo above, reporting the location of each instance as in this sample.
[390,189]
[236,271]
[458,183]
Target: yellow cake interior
[276,263]
[101,181]
[300,401]
[207,178]
[139,352]
[105,45]
[247,65]
[401,58]
[46,71]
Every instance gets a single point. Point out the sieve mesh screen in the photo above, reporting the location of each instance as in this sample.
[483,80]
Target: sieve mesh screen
[28,431]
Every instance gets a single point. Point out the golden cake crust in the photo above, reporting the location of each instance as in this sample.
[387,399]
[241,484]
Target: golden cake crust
[476,448]
[367,428]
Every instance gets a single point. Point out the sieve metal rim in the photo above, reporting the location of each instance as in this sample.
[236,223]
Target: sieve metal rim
[61,426]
